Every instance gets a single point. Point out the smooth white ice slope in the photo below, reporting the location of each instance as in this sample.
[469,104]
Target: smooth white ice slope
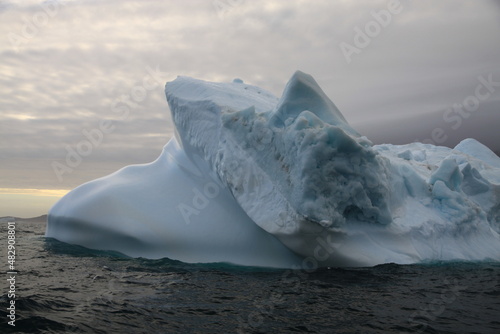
[168,208]
[291,170]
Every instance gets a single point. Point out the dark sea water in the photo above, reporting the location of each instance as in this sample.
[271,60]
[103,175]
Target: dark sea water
[62,288]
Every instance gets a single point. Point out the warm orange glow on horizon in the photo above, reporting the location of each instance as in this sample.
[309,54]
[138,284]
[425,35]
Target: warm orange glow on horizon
[27,203]
[34,192]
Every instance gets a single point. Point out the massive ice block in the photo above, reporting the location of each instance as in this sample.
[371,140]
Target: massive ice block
[255,180]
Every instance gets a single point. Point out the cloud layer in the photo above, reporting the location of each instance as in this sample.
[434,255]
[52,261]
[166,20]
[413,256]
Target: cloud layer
[67,66]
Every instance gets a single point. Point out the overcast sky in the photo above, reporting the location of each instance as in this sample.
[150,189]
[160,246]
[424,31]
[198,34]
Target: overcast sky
[66,65]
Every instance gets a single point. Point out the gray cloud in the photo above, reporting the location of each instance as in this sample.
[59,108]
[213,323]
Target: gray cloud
[437,129]
[67,75]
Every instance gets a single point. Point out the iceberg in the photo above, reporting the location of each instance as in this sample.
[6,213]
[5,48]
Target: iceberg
[251,179]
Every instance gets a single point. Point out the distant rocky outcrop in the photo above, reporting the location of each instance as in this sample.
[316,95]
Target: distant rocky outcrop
[39,219]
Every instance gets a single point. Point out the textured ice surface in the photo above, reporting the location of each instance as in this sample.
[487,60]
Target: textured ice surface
[255,180]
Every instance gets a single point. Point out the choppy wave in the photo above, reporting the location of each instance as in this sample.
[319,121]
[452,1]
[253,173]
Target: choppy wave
[69,289]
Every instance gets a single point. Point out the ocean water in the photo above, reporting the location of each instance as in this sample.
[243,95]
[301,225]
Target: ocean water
[62,288]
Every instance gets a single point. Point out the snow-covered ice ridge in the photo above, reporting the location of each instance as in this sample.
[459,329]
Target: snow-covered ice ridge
[255,180]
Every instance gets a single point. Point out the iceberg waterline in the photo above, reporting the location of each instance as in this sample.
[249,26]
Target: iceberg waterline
[255,180]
